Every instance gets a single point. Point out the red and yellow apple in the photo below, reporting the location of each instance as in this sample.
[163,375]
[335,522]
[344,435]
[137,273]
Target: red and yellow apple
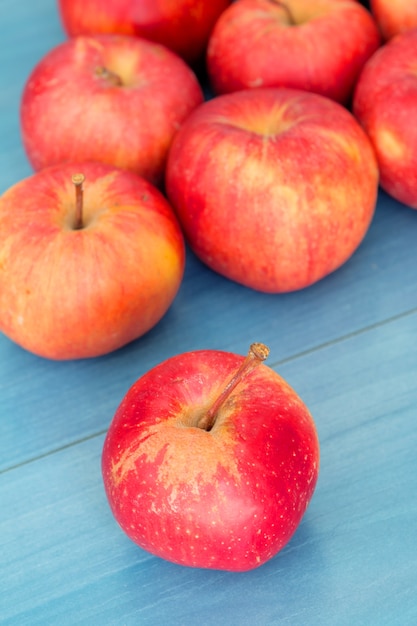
[385,102]
[114,99]
[274,188]
[394,16]
[85,268]
[183,26]
[211,460]
[316,45]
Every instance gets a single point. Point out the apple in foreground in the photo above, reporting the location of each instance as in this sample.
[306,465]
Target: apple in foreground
[274,188]
[211,460]
[385,102]
[316,45]
[91,258]
[114,99]
[181,25]
[394,16]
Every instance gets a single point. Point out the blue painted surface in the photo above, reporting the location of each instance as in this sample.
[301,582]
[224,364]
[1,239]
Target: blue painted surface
[347,345]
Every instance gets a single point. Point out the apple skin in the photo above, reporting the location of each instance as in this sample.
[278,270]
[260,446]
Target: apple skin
[71,110]
[254,44]
[183,26]
[394,16]
[71,294]
[228,498]
[385,101]
[274,188]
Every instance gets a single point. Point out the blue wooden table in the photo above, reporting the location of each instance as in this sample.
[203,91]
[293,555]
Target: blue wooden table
[347,345]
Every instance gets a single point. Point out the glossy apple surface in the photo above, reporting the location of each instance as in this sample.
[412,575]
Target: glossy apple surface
[316,45]
[274,188]
[114,99]
[385,102]
[227,496]
[394,16]
[68,291]
[181,25]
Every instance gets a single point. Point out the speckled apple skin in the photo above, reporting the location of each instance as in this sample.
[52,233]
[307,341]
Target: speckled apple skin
[71,294]
[394,16]
[183,26]
[275,188]
[386,113]
[72,110]
[229,498]
[319,46]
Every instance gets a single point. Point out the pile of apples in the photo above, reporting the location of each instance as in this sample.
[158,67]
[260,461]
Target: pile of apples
[270,174]
[258,131]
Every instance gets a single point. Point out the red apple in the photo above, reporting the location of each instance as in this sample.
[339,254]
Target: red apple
[316,45]
[115,99]
[394,16]
[181,25]
[211,460]
[84,272]
[274,188]
[385,103]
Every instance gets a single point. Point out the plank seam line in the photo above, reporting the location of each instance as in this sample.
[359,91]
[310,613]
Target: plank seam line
[274,365]
[344,338]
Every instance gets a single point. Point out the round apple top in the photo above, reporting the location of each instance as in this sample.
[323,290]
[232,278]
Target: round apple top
[274,188]
[91,259]
[319,46]
[114,99]
[211,460]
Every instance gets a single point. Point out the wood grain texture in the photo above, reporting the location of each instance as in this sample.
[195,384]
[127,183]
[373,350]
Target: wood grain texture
[352,560]
[347,345]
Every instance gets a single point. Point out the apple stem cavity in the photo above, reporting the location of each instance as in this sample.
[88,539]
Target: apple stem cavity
[284,6]
[258,352]
[108,76]
[78,180]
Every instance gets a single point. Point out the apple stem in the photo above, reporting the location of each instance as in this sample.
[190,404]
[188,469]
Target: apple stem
[78,180]
[258,352]
[110,77]
[284,6]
